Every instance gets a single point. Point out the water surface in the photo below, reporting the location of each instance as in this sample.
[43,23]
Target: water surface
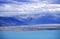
[43,34]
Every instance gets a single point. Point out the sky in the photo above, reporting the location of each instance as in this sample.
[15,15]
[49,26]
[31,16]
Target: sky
[16,7]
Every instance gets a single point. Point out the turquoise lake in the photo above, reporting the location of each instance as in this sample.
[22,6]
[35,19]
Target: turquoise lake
[42,34]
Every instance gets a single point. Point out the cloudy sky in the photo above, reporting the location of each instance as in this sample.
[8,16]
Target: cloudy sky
[15,7]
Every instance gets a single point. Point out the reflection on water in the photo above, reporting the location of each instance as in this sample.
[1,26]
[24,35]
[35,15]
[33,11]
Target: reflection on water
[43,34]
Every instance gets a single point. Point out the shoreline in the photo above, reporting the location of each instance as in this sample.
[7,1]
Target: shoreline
[31,27]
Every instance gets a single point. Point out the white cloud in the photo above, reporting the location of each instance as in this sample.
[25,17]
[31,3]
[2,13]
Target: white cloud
[30,8]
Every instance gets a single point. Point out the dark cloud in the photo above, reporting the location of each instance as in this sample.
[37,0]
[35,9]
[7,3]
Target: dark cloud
[5,1]
[22,0]
[13,1]
[55,1]
[52,1]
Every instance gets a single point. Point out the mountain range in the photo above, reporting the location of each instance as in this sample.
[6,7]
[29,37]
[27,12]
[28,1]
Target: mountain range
[30,19]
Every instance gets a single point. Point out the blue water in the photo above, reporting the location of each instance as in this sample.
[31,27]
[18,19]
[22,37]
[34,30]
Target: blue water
[43,34]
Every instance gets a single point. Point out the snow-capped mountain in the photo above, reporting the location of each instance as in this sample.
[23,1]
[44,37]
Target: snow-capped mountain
[29,19]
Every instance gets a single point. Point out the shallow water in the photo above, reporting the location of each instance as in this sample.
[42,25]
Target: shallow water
[43,34]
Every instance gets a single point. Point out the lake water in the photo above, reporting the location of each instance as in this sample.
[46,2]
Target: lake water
[42,34]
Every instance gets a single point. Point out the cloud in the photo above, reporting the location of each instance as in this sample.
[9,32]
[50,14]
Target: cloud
[5,1]
[28,1]
[13,7]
